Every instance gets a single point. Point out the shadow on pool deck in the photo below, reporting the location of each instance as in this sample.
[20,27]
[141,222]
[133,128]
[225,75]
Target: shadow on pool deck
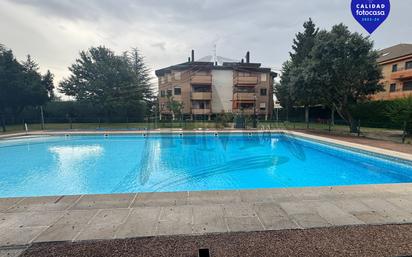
[383,240]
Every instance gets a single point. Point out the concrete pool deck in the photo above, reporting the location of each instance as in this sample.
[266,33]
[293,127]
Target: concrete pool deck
[24,221]
[93,217]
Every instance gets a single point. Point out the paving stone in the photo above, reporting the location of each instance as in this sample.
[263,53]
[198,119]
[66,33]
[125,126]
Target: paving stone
[213,197]
[19,236]
[273,217]
[11,252]
[299,207]
[244,224]
[141,222]
[336,216]
[177,214]
[239,210]
[29,219]
[42,204]
[6,203]
[310,220]
[387,210]
[269,209]
[258,195]
[110,216]
[160,199]
[175,220]
[282,194]
[351,205]
[97,232]
[371,218]
[403,203]
[399,188]
[59,232]
[76,217]
[208,218]
[313,193]
[104,201]
[173,228]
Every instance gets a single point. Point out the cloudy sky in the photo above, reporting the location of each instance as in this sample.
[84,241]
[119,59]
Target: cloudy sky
[54,31]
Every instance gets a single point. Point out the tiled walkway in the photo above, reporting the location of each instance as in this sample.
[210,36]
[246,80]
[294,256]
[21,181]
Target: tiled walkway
[27,220]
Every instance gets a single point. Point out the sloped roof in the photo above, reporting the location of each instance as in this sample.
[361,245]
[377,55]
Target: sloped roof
[394,52]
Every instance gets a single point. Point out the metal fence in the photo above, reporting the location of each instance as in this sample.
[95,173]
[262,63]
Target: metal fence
[384,130]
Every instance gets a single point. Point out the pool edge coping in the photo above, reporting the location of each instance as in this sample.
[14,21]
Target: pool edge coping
[350,145]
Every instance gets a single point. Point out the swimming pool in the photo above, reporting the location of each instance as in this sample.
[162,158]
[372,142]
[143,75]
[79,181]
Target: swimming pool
[98,164]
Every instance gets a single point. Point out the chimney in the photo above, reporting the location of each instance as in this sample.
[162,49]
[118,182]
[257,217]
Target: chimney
[242,61]
[188,59]
[247,57]
[193,55]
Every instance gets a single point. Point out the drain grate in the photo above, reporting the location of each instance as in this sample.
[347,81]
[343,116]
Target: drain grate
[204,252]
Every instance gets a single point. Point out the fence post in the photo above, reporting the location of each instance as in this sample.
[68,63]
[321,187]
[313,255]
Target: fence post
[42,117]
[404,132]
[359,126]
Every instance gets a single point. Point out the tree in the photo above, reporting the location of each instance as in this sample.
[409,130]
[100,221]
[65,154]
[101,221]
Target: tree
[142,77]
[10,77]
[103,78]
[297,79]
[175,107]
[346,69]
[400,112]
[47,81]
[282,90]
[20,85]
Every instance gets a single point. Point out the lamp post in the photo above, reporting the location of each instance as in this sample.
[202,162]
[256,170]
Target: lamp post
[254,111]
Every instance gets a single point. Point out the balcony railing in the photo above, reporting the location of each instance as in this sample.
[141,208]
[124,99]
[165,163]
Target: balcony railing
[248,111]
[200,111]
[401,74]
[243,96]
[201,79]
[251,80]
[201,95]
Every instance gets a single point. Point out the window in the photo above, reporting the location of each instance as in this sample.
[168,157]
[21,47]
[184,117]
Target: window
[177,75]
[262,106]
[178,91]
[408,65]
[394,68]
[263,91]
[263,77]
[162,93]
[169,92]
[392,88]
[407,86]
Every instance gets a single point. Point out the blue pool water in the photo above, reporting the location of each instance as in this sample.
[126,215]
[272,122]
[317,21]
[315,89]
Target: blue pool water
[54,165]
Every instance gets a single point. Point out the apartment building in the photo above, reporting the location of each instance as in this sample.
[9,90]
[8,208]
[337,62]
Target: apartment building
[396,63]
[207,88]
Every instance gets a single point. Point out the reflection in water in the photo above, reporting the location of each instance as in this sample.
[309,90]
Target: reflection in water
[251,163]
[71,156]
[294,147]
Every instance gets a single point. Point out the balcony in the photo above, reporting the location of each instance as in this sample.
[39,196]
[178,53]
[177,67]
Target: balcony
[201,80]
[201,95]
[402,74]
[200,111]
[251,80]
[243,96]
